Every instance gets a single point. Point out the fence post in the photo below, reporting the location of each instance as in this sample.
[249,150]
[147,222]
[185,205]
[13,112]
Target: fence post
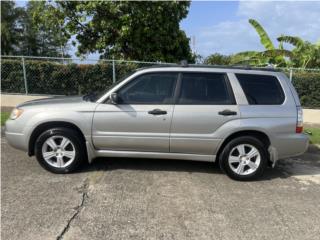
[290,76]
[24,76]
[113,71]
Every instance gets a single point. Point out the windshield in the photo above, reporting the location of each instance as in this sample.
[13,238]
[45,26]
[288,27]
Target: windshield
[94,96]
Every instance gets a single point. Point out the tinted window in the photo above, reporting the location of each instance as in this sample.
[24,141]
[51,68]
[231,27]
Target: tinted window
[204,88]
[261,89]
[154,88]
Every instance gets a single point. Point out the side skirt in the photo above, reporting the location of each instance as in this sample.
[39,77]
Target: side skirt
[153,155]
[92,153]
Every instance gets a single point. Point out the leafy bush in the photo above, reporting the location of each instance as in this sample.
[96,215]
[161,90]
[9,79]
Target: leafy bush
[74,79]
[52,78]
[307,85]
[57,79]
[12,76]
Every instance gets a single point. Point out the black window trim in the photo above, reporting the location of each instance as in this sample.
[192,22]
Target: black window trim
[172,102]
[278,82]
[226,79]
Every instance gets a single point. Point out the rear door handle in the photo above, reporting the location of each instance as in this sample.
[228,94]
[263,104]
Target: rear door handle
[157,112]
[227,112]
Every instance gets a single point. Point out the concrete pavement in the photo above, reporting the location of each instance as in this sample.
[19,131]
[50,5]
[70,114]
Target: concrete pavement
[158,199]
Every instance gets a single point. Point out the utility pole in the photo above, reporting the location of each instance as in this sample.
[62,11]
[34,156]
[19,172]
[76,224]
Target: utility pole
[193,43]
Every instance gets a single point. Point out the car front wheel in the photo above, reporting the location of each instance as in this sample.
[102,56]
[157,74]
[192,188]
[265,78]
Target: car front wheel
[60,150]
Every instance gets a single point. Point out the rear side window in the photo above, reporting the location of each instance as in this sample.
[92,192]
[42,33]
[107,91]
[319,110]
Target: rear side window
[261,89]
[205,88]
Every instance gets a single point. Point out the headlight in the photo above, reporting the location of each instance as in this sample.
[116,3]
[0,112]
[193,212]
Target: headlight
[16,113]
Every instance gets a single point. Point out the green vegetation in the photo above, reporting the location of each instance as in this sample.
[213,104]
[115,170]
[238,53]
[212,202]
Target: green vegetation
[314,135]
[271,55]
[303,55]
[23,32]
[9,31]
[130,30]
[145,31]
[4,117]
[60,79]
[70,79]
[219,59]
[307,85]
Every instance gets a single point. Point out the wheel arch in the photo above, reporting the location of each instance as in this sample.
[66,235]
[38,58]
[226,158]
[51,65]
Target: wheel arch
[254,133]
[52,124]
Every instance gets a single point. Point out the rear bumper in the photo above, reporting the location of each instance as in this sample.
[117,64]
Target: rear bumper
[289,145]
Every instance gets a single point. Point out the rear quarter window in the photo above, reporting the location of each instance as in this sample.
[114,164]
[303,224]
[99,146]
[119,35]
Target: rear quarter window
[261,89]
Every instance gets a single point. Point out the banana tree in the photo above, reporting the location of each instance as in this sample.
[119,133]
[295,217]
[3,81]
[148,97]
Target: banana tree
[271,55]
[305,54]
[264,38]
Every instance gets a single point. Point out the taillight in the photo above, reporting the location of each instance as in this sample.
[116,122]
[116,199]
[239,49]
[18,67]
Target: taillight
[299,126]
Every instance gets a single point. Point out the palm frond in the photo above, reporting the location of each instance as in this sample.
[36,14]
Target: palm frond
[246,54]
[277,53]
[264,38]
[295,41]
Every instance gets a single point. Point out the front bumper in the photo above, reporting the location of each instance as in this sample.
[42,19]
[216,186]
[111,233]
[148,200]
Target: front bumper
[15,139]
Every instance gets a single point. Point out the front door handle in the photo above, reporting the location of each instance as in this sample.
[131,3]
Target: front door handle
[227,112]
[157,112]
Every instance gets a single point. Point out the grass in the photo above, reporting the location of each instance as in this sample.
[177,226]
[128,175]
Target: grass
[4,117]
[314,135]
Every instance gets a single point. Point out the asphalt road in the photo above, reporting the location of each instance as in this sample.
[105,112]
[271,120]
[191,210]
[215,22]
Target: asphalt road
[158,199]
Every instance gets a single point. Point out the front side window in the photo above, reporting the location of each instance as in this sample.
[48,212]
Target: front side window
[205,88]
[152,88]
[261,89]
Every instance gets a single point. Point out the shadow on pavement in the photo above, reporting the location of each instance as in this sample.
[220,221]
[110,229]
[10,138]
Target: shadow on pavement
[110,164]
[306,164]
[153,165]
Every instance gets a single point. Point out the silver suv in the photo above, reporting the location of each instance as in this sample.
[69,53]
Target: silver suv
[244,119]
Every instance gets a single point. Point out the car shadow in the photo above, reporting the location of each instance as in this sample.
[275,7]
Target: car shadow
[307,164]
[137,164]
[146,164]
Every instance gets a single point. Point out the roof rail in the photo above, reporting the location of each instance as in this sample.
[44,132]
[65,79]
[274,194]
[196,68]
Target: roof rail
[239,67]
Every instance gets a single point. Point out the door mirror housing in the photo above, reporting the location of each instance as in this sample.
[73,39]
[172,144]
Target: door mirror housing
[114,98]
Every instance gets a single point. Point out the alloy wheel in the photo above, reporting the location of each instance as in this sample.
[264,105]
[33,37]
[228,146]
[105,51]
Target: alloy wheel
[58,151]
[244,159]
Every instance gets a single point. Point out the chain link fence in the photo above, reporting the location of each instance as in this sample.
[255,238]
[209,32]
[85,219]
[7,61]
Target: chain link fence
[73,76]
[62,76]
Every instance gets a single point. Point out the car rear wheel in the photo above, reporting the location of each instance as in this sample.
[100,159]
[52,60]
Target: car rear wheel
[244,158]
[60,150]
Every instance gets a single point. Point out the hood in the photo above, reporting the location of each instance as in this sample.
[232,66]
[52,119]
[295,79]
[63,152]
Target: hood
[53,101]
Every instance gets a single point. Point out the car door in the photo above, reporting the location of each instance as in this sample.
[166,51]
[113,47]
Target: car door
[205,102]
[141,119]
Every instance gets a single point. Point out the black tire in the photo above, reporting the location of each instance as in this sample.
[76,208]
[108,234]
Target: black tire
[76,140]
[224,164]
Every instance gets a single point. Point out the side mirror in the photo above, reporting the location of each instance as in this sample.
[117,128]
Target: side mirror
[114,98]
